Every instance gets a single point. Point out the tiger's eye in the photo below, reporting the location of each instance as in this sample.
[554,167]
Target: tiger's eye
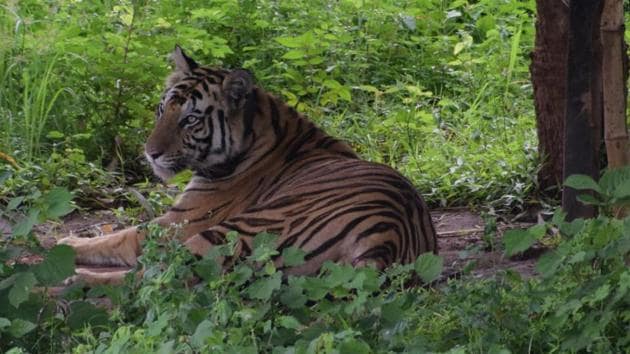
[192,119]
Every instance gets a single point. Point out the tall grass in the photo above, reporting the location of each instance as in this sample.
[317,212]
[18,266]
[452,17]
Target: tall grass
[29,90]
[9,34]
[39,96]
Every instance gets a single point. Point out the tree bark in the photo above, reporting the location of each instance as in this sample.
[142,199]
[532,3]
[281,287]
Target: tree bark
[584,101]
[548,71]
[614,74]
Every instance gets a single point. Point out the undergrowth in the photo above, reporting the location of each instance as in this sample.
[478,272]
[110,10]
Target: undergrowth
[579,301]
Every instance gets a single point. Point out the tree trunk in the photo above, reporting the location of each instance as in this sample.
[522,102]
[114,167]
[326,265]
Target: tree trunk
[584,101]
[614,74]
[548,71]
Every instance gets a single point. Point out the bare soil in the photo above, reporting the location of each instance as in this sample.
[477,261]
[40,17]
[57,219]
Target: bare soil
[460,237]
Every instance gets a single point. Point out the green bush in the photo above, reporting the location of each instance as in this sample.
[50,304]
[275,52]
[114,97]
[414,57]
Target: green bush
[579,301]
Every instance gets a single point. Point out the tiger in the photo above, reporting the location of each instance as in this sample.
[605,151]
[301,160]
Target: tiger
[260,166]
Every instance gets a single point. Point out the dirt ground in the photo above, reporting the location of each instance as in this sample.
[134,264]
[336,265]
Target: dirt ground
[460,235]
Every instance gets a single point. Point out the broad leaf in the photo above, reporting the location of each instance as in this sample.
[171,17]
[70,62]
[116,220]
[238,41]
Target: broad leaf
[288,322]
[293,256]
[207,269]
[21,289]
[57,266]
[429,266]
[14,203]
[548,263]
[581,182]
[264,247]
[4,323]
[204,331]
[25,225]
[83,313]
[20,327]
[58,202]
[264,287]
[517,241]
[612,179]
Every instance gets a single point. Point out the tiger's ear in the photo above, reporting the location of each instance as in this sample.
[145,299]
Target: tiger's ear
[182,61]
[236,86]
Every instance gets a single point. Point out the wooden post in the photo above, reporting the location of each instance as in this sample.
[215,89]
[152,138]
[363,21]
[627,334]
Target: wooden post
[581,123]
[614,76]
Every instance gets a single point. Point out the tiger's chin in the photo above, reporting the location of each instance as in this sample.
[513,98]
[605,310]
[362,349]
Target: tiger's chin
[163,173]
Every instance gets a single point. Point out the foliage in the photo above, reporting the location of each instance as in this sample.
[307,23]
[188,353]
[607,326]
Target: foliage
[182,304]
[26,311]
[436,88]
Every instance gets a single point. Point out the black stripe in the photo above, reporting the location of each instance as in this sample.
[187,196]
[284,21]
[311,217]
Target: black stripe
[275,119]
[213,236]
[222,126]
[340,236]
[327,218]
[179,210]
[248,115]
[378,228]
[255,222]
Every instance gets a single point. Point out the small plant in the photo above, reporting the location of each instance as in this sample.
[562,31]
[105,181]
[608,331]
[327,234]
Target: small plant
[611,193]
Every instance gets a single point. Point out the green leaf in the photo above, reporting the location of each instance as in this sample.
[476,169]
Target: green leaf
[20,327]
[207,269]
[167,347]
[25,225]
[538,231]
[354,346]
[612,179]
[5,175]
[55,134]
[338,274]
[293,256]
[203,332]
[589,199]
[548,263]
[429,266]
[14,203]
[58,202]
[241,274]
[5,283]
[294,54]
[581,182]
[290,42]
[4,323]
[83,313]
[181,179]
[21,289]
[57,266]
[622,190]
[264,247]
[262,288]
[293,297]
[288,322]
[517,241]
[572,228]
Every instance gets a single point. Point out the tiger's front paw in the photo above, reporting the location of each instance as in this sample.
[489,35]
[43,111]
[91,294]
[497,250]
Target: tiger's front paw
[97,277]
[100,251]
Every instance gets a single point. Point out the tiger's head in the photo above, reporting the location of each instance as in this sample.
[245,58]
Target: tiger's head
[203,121]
